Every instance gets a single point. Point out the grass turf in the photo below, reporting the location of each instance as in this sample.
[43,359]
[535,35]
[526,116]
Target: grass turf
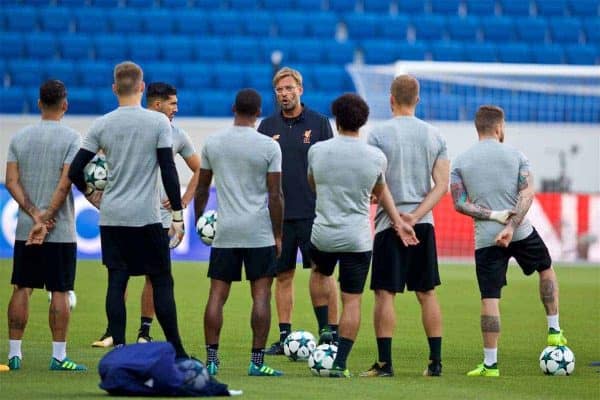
[523,338]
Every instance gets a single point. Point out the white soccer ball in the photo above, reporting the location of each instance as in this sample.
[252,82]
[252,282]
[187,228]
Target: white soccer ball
[299,345]
[72,299]
[557,360]
[195,374]
[206,227]
[95,172]
[321,360]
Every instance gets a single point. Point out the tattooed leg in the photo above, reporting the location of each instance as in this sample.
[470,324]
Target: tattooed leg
[18,312]
[549,291]
[490,322]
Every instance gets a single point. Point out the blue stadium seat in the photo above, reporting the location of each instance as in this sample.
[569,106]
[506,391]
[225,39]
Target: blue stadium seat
[429,26]
[12,100]
[268,46]
[20,18]
[169,72]
[62,70]
[125,20]
[447,51]
[12,45]
[105,3]
[440,108]
[591,28]
[320,101]
[36,3]
[9,3]
[338,52]
[143,48]
[514,53]
[531,30]
[225,23]
[565,29]
[378,6]
[243,5]
[411,6]
[313,5]
[196,76]
[361,25]
[191,22]
[40,45]
[242,49]
[158,20]
[332,78]
[515,7]
[292,24]
[584,8]
[91,20]
[551,7]
[322,24]
[259,77]
[95,74]
[393,26]
[110,48]
[24,72]
[481,7]
[209,49]
[229,76]
[582,54]
[276,5]
[412,51]
[548,53]
[209,4]
[188,103]
[463,28]
[71,3]
[342,6]
[171,4]
[216,103]
[75,46]
[145,4]
[257,23]
[176,48]
[268,102]
[83,101]
[380,51]
[445,6]
[547,108]
[480,52]
[308,51]
[498,29]
[55,19]
[107,100]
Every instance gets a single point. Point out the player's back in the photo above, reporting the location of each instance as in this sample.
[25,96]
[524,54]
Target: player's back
[40,151]
[240,159]
[130,137]
[345,170]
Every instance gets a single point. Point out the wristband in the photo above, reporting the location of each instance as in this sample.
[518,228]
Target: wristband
[177,215]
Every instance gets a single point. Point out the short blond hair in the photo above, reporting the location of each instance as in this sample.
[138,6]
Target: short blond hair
[487,118]
[284,73]
[127,76]
[405,90]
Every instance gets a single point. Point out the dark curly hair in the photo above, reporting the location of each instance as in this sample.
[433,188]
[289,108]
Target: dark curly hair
[52,93]
[350,111]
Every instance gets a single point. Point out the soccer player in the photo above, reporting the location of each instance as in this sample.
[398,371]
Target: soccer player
[136,143]
[45,245]
[249,227]
[162,97]
[344,172]
[296,128]
[492,183]
[416,154]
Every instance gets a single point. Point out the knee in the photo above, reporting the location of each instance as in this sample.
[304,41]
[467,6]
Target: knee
[285,278]
[425,297]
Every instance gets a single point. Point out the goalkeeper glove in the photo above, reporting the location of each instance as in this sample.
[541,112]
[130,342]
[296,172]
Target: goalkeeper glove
[177,229]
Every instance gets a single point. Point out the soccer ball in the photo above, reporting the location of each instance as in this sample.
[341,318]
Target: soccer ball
[195,375]
[206,227]
[95,172]
[299,345]
[321,360]
[557,360]
[72,299]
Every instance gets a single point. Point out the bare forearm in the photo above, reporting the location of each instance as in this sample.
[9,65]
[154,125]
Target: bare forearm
[276,213]
[18,194]
[200,200]
[387,203]
[523,203]
[430,201]
[59,196]
[191,189]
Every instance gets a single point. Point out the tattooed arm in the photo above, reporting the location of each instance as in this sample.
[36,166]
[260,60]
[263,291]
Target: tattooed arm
[524,201]
[16,190]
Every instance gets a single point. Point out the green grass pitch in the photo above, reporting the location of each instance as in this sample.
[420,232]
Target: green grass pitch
[523,338]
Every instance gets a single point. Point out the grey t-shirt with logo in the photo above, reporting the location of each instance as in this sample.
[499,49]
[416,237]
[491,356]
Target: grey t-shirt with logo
[345,170]
[41,151]
[240,159]
[130,137]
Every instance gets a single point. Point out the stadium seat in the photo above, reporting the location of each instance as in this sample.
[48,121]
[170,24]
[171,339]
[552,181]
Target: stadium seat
[209,4]
[515,7]
[209,49]
[158,20]
[342,6]
[547,108]
[481,7]
[106,100]
[292,24]
[378,6]
[320,101]
[429,26]
[24,72]
[176,48]
[143,48]
[62,70]
[565,29]
[244,5]
[361,25]
[498,29]
[447,51]
[480,52]
[95,74]
[323,24]
[463,28]
[12,100]
[584,8]
[71,3]
[307,51]
[187,103]
[393,26]
[411,6]
[242,50]
[268,46]
[581,54]
[171,4]
[196,76]
[259,77]
[338,52]
[551,7]
[257,23]
[191,22]
[379,51]
[548,53]
[412,51]
[145,4]
[12,45]
[531,30]
[40,45]
[514,53]
[313,5]
[105,3]
[91,20]
[125,20]
[277,5]
[83,101]
[332,78]
[225,23]
[441,108]
[229,76]
[110,48]
[591,28]
[75,46]
[268,102]
[445,6]
[169,72]
[20,18]
[55,19]
[216,103]
[36,3]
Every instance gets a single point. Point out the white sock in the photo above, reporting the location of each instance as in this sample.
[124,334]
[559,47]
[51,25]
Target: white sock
[490,356]
[553,322]
[59,350]
[14,349]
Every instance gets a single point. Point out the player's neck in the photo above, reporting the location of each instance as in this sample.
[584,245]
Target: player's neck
[348,133]
[52,116]
[403,111]
[243,121]
[489,136]
[129,101]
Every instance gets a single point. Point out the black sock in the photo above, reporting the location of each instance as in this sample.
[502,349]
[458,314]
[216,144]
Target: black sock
[343,350]
[166,312]
[284,331]
[115,304]
[384,348]
[145,324]
[435,349]
[321,313]
[212,353]
[334,331]
[258,356]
